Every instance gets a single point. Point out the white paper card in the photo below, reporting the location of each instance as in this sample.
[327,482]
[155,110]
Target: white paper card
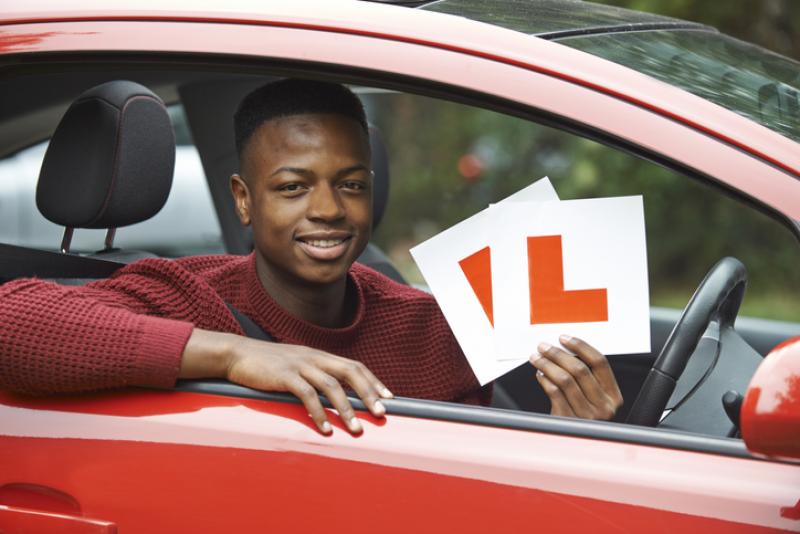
[438,259]
[587,275]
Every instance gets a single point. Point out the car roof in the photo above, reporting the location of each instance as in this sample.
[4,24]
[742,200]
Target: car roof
[542,18]
[391,22]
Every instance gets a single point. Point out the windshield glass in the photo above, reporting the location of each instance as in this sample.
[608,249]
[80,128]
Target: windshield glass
[544,16]
[744,78]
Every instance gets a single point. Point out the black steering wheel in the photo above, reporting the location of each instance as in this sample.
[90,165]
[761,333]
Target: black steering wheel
[716,299]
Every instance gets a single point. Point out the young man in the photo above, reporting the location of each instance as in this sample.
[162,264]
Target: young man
[305,188]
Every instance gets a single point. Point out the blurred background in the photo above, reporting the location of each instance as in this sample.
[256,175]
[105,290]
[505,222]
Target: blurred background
[449,161]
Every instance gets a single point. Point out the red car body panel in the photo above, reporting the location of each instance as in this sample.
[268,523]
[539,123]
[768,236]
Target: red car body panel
[207,463]
[174,462]
[771,408]
[420,27]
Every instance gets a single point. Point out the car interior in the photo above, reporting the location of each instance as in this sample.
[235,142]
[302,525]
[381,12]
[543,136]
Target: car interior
[58,97]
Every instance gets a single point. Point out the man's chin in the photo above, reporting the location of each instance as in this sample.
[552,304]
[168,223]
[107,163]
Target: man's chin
[324,274]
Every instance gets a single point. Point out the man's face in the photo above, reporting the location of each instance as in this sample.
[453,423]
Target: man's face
[307,193]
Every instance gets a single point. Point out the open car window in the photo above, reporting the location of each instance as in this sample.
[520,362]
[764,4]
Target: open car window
[449,161]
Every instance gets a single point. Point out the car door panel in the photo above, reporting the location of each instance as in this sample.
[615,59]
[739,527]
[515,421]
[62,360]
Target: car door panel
[13,520]
[165,462]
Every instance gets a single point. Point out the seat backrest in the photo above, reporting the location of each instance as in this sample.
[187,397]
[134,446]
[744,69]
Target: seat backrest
[373,256]
[109,163]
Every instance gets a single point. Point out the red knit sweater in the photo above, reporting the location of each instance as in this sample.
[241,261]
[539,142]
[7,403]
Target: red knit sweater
[132,329]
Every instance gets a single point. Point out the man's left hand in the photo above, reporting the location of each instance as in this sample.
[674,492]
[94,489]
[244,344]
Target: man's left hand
[579,381]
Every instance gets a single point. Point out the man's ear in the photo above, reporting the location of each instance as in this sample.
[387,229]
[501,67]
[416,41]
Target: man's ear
[241,198]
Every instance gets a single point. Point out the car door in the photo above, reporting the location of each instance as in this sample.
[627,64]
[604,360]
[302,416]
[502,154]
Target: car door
[197,462]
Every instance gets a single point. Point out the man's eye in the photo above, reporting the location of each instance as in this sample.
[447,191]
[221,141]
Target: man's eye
[354,185]
[291,188]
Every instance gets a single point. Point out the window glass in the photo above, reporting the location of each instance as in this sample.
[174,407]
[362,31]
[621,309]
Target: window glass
[745,78]
[742,77]
[545,16]
[187,224]
[449,161]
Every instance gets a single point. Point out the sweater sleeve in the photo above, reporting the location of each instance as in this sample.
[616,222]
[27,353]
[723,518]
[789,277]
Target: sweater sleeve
[66,339]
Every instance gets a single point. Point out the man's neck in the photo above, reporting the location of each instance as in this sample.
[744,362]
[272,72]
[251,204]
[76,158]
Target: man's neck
[322,305]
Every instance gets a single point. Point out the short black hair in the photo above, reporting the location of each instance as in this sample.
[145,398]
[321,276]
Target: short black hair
[289,97]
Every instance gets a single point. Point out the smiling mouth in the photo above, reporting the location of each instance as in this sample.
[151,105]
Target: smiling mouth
[325,249]
[325,243]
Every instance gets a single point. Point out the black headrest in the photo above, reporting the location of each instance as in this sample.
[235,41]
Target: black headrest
[110,161]
[380,182]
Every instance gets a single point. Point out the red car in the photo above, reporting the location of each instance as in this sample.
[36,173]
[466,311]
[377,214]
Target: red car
[604,101]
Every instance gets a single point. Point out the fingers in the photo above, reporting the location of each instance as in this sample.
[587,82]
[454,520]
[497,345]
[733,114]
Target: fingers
[583,379]
[577,372]
[307,373]
[330,387]
[595,360]
[310,399]
[382,390]
[364,383]
[565,382]
[559,404]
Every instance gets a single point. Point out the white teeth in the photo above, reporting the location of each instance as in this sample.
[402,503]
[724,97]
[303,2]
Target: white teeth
[325,243]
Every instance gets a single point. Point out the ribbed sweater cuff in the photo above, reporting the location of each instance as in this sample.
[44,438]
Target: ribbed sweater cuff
[161,345]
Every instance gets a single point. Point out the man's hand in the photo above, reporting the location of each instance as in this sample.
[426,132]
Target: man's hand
[302,371]
[579,383]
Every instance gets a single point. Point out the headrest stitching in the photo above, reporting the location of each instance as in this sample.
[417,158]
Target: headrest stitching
[107,101]
[113,182]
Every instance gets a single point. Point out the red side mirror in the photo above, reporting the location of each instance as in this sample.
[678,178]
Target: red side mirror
[770,416]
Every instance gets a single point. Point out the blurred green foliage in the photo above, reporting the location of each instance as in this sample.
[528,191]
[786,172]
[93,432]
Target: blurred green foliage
[449,161]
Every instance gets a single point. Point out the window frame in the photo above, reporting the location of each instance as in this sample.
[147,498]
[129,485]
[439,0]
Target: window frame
[323,63]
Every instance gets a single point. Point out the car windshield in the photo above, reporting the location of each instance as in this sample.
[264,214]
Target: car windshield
[741,77]
[545,16]
[744,78]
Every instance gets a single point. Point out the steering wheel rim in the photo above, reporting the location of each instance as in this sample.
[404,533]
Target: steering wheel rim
[717,298]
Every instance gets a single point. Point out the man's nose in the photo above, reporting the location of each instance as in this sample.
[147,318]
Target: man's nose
[325,204]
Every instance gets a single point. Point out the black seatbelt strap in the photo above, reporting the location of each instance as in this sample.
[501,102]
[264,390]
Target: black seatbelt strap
[251,329]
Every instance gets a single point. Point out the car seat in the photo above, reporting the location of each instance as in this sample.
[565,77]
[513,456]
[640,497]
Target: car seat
[109,164]
[373,256]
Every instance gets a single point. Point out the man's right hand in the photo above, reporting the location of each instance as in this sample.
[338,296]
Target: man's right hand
[302,371]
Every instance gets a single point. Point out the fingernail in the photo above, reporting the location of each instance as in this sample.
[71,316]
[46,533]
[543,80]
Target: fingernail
[544,347]
[535,356]
[355,425]
[379,408]
[326,427]
[539,373]
[386,394]
[564,338]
